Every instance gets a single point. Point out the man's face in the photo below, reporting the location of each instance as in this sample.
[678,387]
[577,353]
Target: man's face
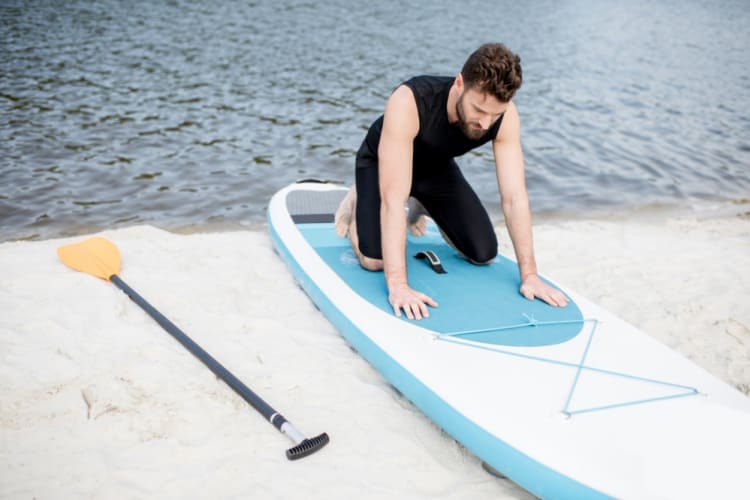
[477,112]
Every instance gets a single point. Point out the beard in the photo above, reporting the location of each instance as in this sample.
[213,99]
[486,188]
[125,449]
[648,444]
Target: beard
[469,129]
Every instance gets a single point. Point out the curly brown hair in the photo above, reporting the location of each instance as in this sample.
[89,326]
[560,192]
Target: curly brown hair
[493,69]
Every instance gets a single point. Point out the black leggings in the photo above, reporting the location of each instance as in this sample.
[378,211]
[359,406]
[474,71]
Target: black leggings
[447,197]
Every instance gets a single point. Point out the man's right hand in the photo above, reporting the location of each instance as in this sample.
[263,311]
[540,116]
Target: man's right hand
[413,303]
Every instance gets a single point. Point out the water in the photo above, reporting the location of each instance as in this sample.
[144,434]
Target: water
[189,114]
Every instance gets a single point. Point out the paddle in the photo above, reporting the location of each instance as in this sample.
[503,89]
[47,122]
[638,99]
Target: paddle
[101,258]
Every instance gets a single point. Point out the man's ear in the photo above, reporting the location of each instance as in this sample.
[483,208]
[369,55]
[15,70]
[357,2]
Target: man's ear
[459,82]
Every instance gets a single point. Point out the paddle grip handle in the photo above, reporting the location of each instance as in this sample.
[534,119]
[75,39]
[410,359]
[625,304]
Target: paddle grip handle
[217,368]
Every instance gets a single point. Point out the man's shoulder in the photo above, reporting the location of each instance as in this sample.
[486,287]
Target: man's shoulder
[429,92]
[428,83]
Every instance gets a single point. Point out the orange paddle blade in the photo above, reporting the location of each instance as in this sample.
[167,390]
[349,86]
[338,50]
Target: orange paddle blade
[96,256]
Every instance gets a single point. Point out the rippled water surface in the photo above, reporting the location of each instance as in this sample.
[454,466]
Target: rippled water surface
[191,114]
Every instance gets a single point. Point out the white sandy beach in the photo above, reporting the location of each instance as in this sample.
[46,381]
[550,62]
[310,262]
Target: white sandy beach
[99,402]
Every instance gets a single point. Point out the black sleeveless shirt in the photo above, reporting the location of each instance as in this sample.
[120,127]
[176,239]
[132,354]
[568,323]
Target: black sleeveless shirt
[437,139]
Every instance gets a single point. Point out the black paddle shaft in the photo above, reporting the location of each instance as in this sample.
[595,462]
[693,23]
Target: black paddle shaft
[304,446]
[236,384]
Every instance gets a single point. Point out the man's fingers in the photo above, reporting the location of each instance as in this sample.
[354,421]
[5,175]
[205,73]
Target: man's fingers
[555,298]
[415,309]
[429,301]
[397,310]
[408,310]
[551,296]
[527,292]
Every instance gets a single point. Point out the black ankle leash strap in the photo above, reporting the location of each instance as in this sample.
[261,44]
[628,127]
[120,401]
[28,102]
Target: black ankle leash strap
[432,260]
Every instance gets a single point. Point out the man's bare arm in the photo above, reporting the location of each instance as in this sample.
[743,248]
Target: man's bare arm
[400,127]
[515,204]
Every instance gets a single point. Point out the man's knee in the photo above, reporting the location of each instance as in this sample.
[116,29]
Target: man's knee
[482,262]
[484,254]
[370,264]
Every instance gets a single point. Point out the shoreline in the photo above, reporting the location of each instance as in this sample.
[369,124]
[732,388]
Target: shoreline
[739,207]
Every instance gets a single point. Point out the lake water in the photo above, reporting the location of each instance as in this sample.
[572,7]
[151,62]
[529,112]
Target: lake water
[191,114]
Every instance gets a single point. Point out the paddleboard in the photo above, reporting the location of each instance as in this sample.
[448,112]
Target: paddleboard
[566,402]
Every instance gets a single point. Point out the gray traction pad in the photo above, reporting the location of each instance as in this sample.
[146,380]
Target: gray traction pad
[309,206]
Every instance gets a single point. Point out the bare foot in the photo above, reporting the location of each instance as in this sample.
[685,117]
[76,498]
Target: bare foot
[343,218]
[416,217]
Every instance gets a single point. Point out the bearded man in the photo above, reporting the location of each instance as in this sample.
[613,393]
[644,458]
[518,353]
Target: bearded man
[408,157]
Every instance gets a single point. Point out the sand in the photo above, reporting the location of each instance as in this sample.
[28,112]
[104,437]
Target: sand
[98,401]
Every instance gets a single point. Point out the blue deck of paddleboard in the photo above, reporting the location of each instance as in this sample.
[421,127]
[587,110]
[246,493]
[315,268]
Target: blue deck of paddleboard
[481,299]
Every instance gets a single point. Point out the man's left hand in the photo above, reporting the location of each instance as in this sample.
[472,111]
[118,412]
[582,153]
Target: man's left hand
[533,287]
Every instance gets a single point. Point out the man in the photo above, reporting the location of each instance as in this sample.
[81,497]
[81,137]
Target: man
[409,151]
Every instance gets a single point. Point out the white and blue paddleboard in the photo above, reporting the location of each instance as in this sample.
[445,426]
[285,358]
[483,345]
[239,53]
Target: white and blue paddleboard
[566,402]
